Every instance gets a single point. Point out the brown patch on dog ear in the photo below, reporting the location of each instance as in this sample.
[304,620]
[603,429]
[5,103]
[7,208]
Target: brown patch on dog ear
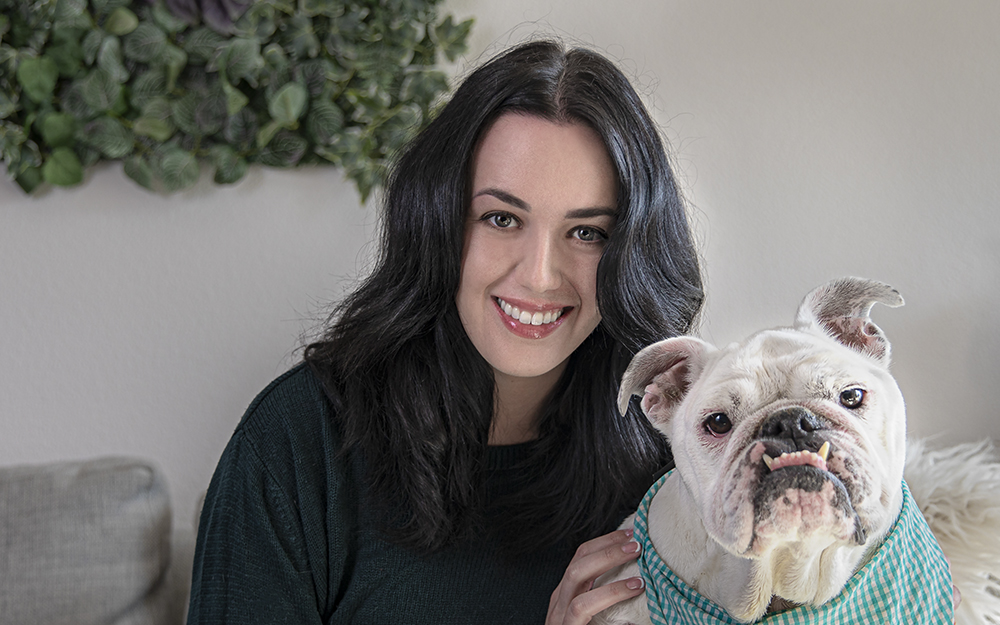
[841,310]
[661,374]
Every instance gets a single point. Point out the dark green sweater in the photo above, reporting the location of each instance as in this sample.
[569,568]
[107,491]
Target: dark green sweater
[284,537]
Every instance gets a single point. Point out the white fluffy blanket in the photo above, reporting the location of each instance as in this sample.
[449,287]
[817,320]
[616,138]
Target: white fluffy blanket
[958,490]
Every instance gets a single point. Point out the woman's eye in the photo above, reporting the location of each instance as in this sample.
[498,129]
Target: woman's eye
[501,220]
[718,424]
[852,398]
[586,233]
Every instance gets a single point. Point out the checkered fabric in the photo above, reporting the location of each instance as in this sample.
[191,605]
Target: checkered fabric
[906,581]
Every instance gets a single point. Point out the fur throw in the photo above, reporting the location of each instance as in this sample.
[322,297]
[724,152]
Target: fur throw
[958,491]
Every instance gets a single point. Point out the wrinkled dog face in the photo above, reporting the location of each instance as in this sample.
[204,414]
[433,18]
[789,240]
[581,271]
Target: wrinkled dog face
[795,436]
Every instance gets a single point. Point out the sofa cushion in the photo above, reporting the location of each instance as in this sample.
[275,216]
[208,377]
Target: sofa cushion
[83,543]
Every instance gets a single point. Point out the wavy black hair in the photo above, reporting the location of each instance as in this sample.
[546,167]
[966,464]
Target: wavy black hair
[413,394]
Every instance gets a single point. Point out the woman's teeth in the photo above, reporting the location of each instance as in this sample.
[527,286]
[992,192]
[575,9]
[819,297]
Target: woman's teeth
[528,318]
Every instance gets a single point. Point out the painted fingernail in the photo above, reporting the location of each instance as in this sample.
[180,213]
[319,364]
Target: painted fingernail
[634,583]
[630,547]
[629,532]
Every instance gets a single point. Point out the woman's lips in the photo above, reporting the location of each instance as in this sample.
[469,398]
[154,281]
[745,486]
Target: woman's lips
[527,324]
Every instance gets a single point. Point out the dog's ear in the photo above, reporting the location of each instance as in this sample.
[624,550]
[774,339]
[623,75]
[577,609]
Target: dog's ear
[661,375]
[841,309]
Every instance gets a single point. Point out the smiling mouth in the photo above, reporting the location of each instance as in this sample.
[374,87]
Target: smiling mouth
[528,318]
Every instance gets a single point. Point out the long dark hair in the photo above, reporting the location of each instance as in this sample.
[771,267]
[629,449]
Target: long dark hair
[413,395]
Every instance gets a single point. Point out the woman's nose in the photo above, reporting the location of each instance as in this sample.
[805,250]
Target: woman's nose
[540,267]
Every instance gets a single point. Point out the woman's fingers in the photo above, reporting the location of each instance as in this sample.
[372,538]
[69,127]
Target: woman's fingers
[575,600]
[584,606]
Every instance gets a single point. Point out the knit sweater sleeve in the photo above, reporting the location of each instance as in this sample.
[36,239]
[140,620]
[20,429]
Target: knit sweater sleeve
[268,548]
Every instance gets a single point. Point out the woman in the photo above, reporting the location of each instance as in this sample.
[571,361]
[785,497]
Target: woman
[453,439]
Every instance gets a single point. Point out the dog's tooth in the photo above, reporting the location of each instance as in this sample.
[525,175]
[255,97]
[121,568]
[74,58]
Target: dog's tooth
[768,460]
[824,451]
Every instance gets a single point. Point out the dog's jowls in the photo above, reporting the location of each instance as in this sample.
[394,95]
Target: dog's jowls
[789,449]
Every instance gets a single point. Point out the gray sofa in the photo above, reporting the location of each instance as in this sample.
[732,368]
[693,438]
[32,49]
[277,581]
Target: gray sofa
[91,543]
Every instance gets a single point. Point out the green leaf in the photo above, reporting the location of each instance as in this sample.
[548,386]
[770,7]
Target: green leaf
[30,178]
[109,58]
[91,45]
[37,77]
[174,59]
[152,84]
[138,169]
[167,20]
[324,122]
[121,21]
[451,37]
[158,129]
[63,168]
[67,10]
[301,38]
[7,105]
[240,59]
[284,150]
[210,113]
[146,43]
[240,130]
[100,91]
[59,130]
[230,167]
[265,134]
[202,44]
[329,8]
[182,111]
[288,103]
[73,102]
[178,169]
[235,99]
[67,55]
[109,136]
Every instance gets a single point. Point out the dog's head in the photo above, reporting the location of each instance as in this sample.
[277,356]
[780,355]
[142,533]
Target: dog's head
[794,436]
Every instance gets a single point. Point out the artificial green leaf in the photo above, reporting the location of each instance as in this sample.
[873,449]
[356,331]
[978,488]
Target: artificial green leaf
[109,136]
[59,129]
[265,134]
[182,111]
[240,129]
[167,20]
[288,104]
[235,99]
[37,77]
[240,58]
[68,10]
[151,84]
[100,91]
[158,129]
[138,169]
[63,168]
[329,8]
[451,37]
[302,41]
[30,178]
[7,105]
[324,122]
[146,43]
[275,57]
[91,45]
[202,44]
[319,75]
[230,167]
[73,102]
[284,150]
[102,8]
[178,169]
[422,86]
[109,58]
[174,59]
[121,21]
[210,113]
[67,55]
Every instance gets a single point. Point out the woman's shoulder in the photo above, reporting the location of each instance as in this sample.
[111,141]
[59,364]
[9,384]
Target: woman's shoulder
[292,413]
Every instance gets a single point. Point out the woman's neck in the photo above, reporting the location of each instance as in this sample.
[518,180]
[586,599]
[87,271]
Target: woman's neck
[519,405]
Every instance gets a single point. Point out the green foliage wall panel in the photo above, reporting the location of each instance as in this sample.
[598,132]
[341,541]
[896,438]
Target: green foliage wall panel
[170,85]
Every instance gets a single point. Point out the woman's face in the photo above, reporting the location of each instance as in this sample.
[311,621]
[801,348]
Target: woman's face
[543,205]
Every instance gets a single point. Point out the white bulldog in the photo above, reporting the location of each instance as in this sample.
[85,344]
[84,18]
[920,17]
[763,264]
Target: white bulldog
[789,452]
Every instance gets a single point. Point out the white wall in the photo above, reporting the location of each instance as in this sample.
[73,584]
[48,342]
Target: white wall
[814,140]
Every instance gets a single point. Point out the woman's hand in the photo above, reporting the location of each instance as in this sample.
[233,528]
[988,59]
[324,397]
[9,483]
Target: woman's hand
[575,600]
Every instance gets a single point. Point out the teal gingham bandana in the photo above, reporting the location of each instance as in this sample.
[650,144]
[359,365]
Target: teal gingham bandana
[906,581]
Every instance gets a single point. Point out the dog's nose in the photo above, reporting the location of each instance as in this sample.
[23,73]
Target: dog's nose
[795,423]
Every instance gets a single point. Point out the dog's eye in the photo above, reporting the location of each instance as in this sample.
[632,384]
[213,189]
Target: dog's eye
[718,423]
[852,397]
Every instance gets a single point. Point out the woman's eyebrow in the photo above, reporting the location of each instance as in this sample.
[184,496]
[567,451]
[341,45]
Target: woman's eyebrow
[505,197]
[516,202]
